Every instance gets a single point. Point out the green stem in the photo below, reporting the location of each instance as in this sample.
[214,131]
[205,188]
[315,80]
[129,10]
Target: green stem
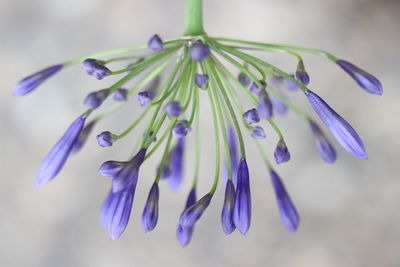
[194,18]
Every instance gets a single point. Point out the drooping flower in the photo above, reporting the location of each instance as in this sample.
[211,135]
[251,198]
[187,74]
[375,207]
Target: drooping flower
[173,109]
[96,68]
[201,80]
[255,90]
[193,213]
[227,211]
[111,168]
[199,51]
[251,116]
[121,95]
[155,43]
[279,106]
[281,153]
[290,85]
[145,97]
[258,133]
[242,207]
[365,80]
[233,152]
[184,235]
[326,150]
[181,129]
[176,158]
[150,212]
[83,137]
[264,107]
[31,82]
[129,173]
[287,210]
[95,99]
[57,157]
[340,129]
[106,139]
[301,73]
[244,79]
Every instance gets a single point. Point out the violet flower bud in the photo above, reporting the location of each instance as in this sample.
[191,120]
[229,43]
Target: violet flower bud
[121,95]
[184,235]
[111,168]
[346,136]
[228,226]
[58,155]
[193,213]
[281,153]
[301,74]
[145,98]
[244,79]
[290,85]
[31,82]
[173,109]
[176,165]
[96,68]
[258,133]
[326,150]
[242,207]
[365,80]
[106,139]
[264,107]
[155,43]
[255,90]
[201,80]
[150,212]
[83,136]
[279,106]
[181,129]
[199,51]
[287,210]
[251,116]
[233,152]
[95,99]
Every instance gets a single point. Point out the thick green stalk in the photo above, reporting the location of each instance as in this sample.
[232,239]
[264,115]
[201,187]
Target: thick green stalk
[194,18]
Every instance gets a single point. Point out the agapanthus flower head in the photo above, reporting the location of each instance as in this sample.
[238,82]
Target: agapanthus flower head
[227,211]
[287,210]
[242,207]
[193,213]
[326,150]
[155,43]
[184,235]
[281,153]
[96,68]
[31,82]
[105,139]
[201,80]
[150,211]
[340,129]
[57,157]
[121,95]
[264,107]
[173,109]
[251,116]
[301,74]
[181,129]
[95,99]
[258,133]
[365,80]
[199,51]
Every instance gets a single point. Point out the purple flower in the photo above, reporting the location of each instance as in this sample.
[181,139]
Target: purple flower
[326,150]
[106,139]
[228,225]
[184,235]
[264,107]
[127,176]
[176,165]
[155,43]
[111,168]
[96,68]
[181,129]
[83,136]
[201,80]
[341,129]
[251,116]
[365,80]
[57,157]
[31,82]
[150,212]
[242,207]
[301,74]
[193,213]
[95,99]
[233,153]
[287,210]
[258,133]
[279,106]
[173,109]
[290,85]
[255,90]
[145,98]
[199,51]
[281,153]
[244,79]
[120,95]
[116,211]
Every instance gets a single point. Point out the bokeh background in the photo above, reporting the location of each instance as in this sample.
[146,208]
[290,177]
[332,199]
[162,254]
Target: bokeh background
[349,210]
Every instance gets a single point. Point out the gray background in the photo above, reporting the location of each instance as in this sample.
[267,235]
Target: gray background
[349,210]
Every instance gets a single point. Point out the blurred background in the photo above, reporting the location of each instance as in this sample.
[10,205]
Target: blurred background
[349,210]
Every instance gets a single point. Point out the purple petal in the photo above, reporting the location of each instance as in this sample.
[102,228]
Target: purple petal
[150,212]
[279,106]
[111,168]
[83,137]
[96,68]
[242,208]
[233,154]
[184,235]
[57,157]
[251,116]
[301,74]
[201,80]
[155,43]
[287,210]
[106,139]
[255,90]
[264,107]
[365,80]
[341,129]
[95,99]
[228,226]
[281,153]
[199,51]
[176,165]
[326,150]
[181,129]
[193,213]
[258,133]
[121,95]
[31,82]
[173,109]
[120,212]
[244,79]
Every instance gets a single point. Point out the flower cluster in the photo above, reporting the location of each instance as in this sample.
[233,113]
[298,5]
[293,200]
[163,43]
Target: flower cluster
[175,74]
